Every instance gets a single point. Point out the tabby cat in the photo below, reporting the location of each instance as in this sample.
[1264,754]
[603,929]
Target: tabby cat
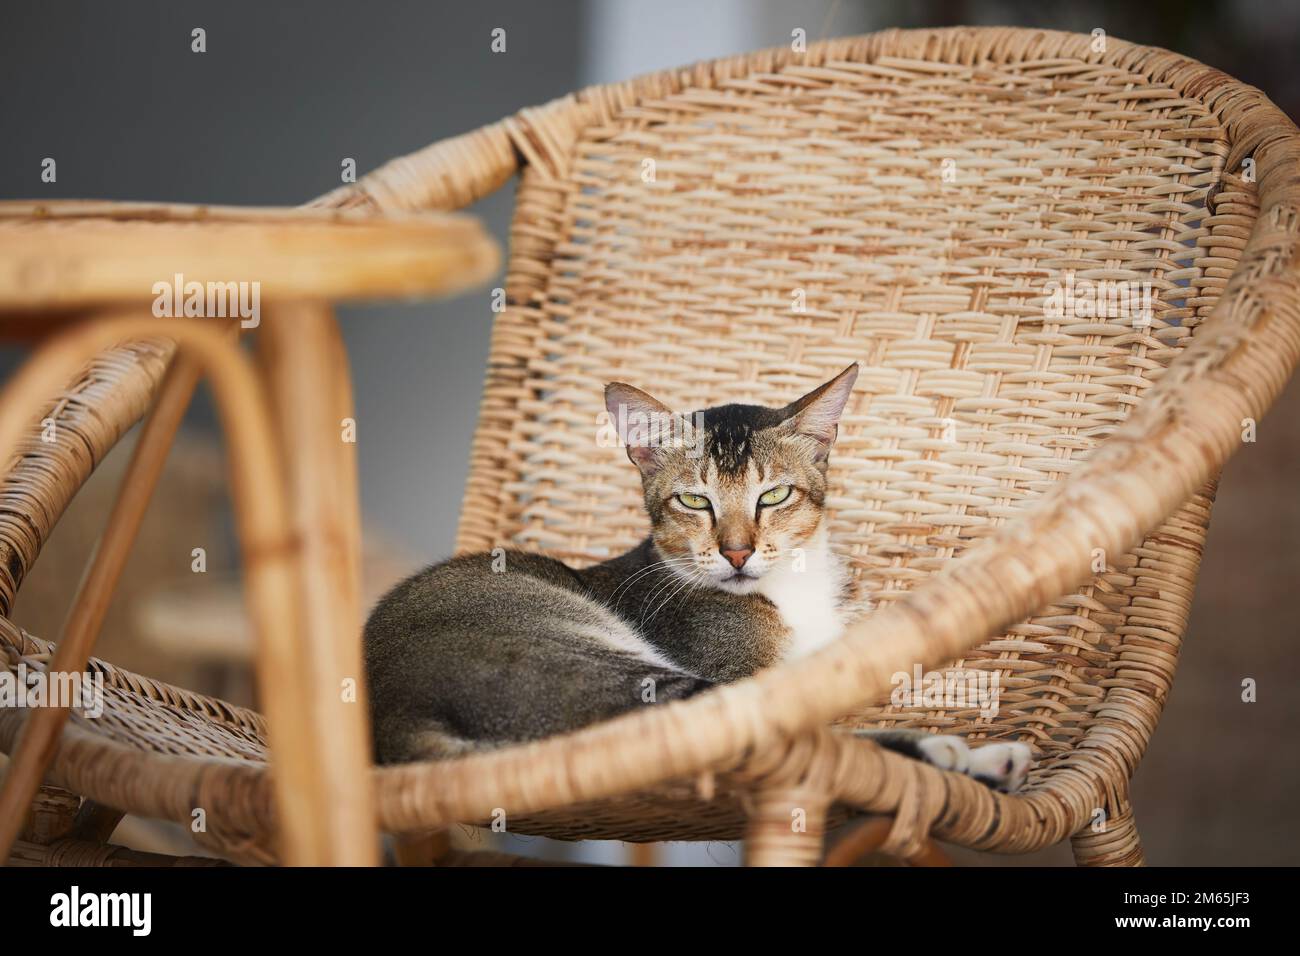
[736,575]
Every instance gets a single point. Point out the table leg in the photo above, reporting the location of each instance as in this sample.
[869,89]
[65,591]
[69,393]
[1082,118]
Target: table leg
[305,367]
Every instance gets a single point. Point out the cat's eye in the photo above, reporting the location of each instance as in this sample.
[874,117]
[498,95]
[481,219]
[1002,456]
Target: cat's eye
[696,502]
[774,496]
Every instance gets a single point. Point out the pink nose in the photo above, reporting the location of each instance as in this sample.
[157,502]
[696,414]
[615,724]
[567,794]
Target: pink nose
[737,556]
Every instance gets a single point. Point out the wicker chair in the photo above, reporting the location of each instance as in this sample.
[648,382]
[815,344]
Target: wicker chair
[739,230]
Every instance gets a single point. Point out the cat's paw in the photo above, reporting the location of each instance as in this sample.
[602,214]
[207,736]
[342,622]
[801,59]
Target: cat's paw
[945,752]
[1002,766]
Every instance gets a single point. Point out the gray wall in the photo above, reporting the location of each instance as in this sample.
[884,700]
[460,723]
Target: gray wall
[113,92]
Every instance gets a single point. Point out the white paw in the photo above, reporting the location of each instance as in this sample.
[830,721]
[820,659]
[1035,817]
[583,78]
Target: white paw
[1001,766]
[945,752]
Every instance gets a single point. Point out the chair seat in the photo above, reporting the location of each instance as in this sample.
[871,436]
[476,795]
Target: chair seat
[168,725]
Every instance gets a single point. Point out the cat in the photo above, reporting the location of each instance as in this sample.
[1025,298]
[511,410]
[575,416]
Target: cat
[736,575]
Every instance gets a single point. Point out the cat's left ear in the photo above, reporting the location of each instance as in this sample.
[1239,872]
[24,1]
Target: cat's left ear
[817,414]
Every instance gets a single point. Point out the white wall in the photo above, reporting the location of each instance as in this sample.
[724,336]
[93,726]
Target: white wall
[628,37]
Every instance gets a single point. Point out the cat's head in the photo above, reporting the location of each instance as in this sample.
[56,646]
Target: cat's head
[732,492]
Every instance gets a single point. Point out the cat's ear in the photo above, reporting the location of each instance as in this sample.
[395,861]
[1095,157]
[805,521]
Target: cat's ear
[817,414]
[644,424]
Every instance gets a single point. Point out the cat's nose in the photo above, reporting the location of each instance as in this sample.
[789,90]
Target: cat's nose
[737,556]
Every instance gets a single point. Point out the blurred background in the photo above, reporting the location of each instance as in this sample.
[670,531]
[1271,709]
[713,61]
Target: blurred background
[286,91]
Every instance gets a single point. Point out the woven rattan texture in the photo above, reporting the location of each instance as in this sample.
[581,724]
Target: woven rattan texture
[75,430]
[747,241]
[147,714]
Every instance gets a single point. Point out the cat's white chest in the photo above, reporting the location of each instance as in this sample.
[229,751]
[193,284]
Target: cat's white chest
[808,602]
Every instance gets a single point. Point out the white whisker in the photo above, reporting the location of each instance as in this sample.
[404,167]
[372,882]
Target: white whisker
[678,573]
[690,582]
[667,563]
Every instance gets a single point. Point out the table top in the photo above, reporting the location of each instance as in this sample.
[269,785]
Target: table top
[71,254]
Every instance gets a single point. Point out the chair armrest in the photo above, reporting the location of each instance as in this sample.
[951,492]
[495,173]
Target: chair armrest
[449,174]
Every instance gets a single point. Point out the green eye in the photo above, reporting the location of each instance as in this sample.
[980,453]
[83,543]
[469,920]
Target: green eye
[698,502]
[775,495]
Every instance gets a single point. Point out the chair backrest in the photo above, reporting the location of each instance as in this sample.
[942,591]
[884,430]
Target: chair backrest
[1014,244]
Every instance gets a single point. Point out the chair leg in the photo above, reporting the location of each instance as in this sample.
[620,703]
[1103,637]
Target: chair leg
[421,849]
[869,836]
[786,827]
[1115,845]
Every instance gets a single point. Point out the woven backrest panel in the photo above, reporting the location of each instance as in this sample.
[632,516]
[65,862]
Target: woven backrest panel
[747,239]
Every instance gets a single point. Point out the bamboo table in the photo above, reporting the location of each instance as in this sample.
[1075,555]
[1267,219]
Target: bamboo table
[80,277]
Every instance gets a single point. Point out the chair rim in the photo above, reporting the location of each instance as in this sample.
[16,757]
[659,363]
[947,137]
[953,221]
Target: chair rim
[770,729]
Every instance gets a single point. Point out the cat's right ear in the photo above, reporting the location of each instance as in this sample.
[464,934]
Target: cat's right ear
[641,422]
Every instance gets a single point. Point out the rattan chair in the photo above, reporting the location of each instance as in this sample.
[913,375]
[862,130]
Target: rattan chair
[1017,490]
